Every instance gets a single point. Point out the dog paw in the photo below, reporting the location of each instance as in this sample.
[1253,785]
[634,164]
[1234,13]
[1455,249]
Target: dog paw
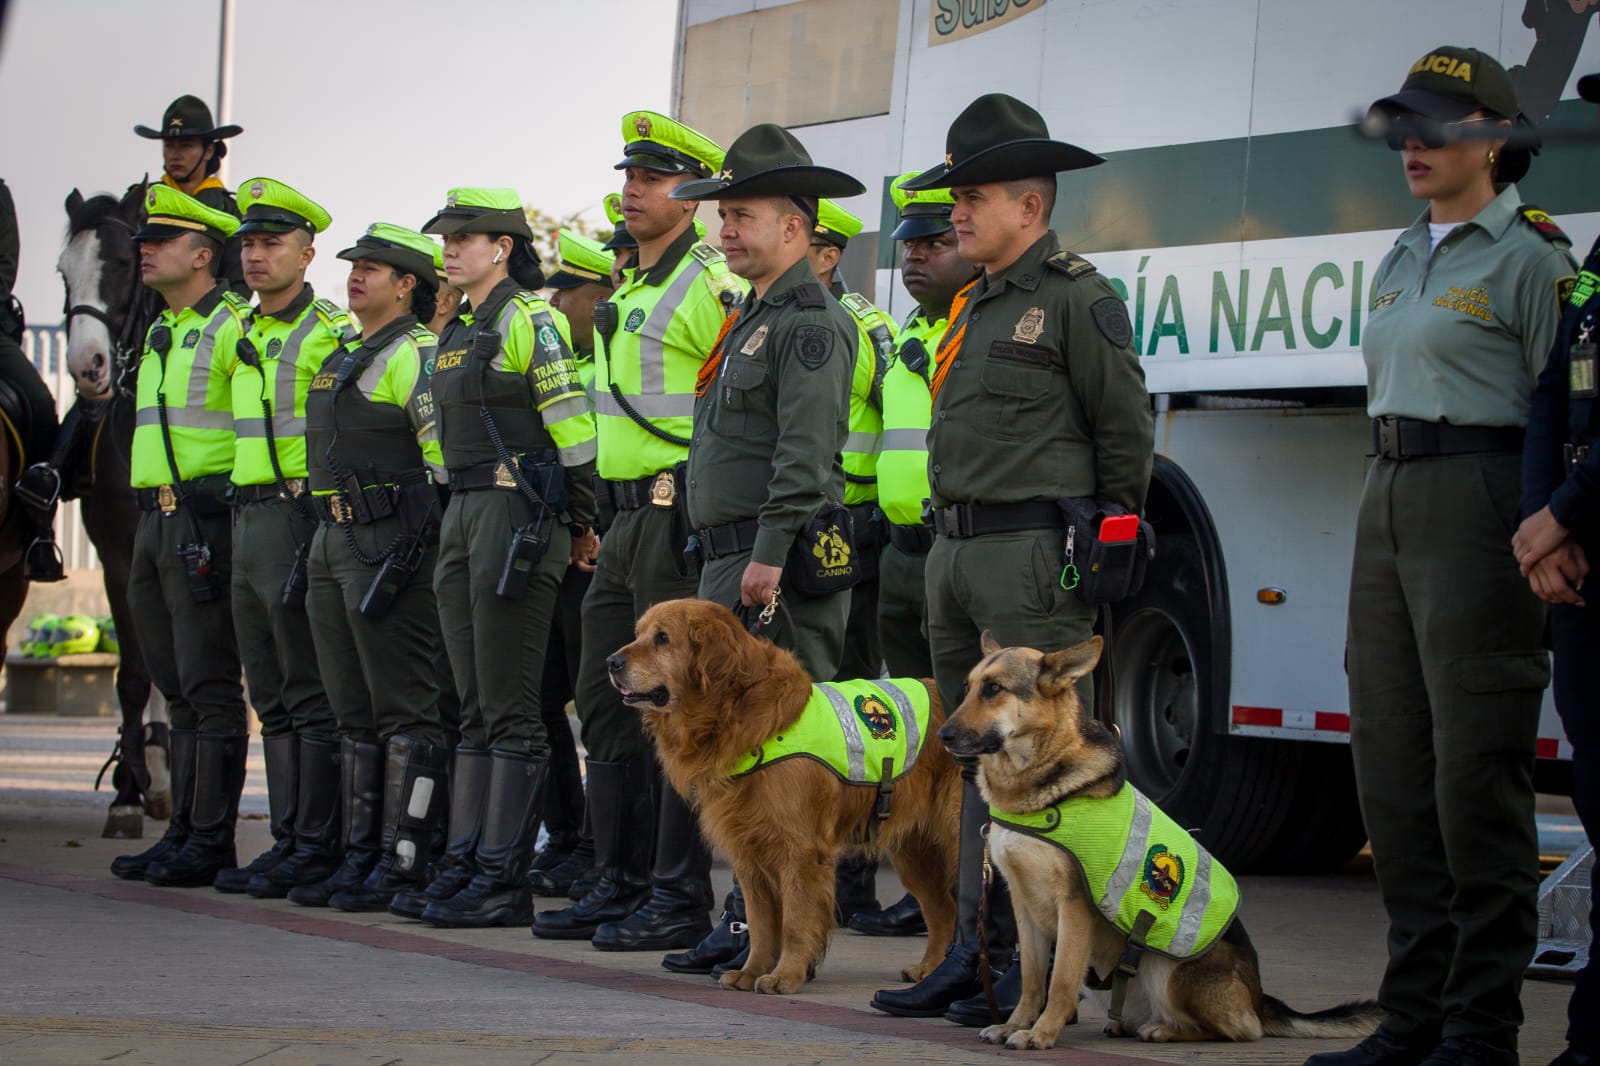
[1159,1033]
[774,984]
[1030,1040]
[996,1034]
[738,981]
[1115,1029]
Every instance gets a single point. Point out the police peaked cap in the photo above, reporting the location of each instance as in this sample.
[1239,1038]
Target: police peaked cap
[581,261]
[836,225]
[475,210]
[652,141]
[1000,138]
[188,116]
[172,213]
[274,207]
[767,160]
[620,237]
[923,212]
[404,249]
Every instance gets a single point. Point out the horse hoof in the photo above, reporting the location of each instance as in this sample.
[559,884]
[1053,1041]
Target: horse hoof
[124,822]
[158,796]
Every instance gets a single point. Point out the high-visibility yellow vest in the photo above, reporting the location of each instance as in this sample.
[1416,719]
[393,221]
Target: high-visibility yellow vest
[1137,860]
[907,412]
[289,352]
[857,729]
[874,351]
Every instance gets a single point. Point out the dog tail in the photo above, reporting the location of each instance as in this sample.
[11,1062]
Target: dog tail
[1358,1017]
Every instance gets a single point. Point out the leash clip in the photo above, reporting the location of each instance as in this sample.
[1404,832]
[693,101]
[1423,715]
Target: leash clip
[771,609]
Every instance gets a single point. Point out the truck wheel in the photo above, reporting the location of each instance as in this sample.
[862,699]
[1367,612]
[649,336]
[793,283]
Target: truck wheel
[1324,829]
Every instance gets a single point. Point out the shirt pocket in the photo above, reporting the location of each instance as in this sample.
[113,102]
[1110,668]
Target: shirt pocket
[743,409]
[1018,399]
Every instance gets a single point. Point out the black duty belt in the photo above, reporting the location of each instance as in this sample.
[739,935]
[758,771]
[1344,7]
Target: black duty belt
[335,506]
[658,489]
[979,519]
[212,488]
[492,475]
[729,539]
[913,540]
[1573,454]
[265,493]
[1412,438]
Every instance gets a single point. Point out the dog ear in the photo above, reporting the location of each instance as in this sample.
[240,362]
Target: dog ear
[1059,669]
[725,656]
[989,644]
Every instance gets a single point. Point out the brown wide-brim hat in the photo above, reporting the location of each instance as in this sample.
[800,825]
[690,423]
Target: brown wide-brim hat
[1000,138]
[767,160]
[188,116]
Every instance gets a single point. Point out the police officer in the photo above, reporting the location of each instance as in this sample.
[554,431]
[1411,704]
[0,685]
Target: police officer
[1556,545]
[621,245]
[653,336]
[518,441]
[1037,396]
[192,148]
[290,333]
[1444,648]
[933,272]
[582,277]
[178,591]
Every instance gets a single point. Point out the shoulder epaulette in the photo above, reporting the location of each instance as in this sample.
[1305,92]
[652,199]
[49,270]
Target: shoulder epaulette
[422,334]
[1546,225]
[810,296]
[334,317]
[240,305]
[530,302]
[860,308]
[707,254]
[1073,266]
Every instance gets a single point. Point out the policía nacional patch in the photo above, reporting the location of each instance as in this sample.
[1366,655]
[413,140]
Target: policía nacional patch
[1029,326]
[1111,315]
[754,342]
[1565,288]
[635,320]
[813,345]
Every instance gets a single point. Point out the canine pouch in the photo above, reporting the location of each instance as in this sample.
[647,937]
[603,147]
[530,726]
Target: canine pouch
[1102,571]
[822,560]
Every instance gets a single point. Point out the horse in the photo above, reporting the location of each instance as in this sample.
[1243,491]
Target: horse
[107,311]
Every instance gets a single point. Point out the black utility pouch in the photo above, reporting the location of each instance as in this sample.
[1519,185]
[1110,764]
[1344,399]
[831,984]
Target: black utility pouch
[823,560]
[1102,571]
[688,560]
[205,584]
[604,505]
[527,547]
[298,579]
[386,585]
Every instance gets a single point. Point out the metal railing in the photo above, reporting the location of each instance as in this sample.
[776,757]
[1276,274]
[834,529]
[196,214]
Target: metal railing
[46,348]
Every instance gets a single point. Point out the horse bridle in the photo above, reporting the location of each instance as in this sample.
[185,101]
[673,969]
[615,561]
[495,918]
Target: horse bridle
[122,340]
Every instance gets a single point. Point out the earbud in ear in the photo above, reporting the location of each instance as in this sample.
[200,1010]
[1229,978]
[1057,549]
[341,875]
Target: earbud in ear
[500,253]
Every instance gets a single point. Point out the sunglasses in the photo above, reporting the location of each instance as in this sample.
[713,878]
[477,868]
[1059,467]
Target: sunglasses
[1431,132]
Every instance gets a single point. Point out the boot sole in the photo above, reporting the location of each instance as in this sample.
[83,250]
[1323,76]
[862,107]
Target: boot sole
[578,933]
[688,939]
[907,1012]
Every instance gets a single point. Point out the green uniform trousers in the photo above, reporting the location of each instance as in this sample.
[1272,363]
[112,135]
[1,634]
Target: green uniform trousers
[640,557]
[497,646]
[903,612]
[275,643]
[862,654]
[380,672]
[189,647]
[817,639]
[1446,671]
[1009,584]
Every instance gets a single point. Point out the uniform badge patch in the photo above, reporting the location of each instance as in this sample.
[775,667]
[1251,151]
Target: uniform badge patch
[1029,326]
[549,339]
[1386,299]
[876,716]
[754,342]
[274,346]
[1162,878]
[191,339]
[813,345]
[257,190]
[642,124]
[1565,288]
[1111,315]
[150,200]
[635,320]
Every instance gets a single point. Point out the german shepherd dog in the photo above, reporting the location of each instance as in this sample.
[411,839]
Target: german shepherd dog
[1036,746]
[709,693]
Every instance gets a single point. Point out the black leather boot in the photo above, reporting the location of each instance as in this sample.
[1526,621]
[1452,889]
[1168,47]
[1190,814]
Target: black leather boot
[553,874]
[469,791]
[498,893]
[1382,1048]
[564,820]
[621,813]
[39,490]
[133,867]
[855,888]
[678,912]
[957,976]
[729,941]
[282,756]
[898,919]
[974,1010]
[361,770]
[218,780]
[318,832]
[414,785]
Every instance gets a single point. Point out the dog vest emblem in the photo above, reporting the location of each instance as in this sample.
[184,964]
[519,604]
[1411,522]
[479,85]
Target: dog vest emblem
[864,731]
[1138,861]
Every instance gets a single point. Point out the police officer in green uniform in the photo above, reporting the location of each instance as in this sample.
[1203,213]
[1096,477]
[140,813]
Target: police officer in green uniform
[582,277]
[518,441]
[933,272]
[622,244]
[192,147]
[653,336]
[1037,396]
[183,449]
[374,471]
[1444,651]
[288,336]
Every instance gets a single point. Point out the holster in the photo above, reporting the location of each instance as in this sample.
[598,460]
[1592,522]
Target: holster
[418,504]
[1104,572]
[681,532]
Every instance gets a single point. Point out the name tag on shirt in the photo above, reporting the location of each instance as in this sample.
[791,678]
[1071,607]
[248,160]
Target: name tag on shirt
[1580,373]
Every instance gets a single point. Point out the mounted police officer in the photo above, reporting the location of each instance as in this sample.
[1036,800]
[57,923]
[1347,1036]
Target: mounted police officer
[192,147]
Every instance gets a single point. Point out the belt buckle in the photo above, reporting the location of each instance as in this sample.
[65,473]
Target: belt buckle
[166,499]
[663,490]
[292,487]
[502,476]
[339,509]
[1389,438]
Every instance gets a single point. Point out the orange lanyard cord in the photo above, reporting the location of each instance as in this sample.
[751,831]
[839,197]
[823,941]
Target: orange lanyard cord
[708,369]
[951,344]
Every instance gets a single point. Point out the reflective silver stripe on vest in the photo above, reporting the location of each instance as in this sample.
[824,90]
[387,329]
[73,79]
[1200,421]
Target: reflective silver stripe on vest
[561,410]
[372,376]
[282,428]
[1194,908]
[863,443]
[581,453]
[1132,861]
[185,418]
[908,715]
[905,440]
[855,748]
[667,405]
[652,348]
[200,372]
[502,326]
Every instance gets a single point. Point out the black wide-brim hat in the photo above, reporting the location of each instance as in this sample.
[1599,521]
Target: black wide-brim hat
[188,116]
[767,160]
[1000,138]
[1589,88]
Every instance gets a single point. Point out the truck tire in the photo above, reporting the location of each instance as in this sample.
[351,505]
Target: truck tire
[1324,830]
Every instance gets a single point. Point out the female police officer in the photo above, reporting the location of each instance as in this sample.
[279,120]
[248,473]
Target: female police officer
[372,456]
[1445,662]
[519,443]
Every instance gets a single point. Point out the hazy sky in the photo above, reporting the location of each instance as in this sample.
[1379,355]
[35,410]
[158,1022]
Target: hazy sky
[373,108]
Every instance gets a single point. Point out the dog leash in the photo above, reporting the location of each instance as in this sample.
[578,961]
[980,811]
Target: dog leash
[765,616]
[985,972]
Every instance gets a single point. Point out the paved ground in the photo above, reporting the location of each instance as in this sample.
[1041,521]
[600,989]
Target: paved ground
[105,970]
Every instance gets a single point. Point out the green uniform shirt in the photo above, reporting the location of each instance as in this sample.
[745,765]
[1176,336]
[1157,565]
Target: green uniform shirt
[857,729]
[907,410]
[1460,336]
[291,346]
[668,317]
[874,350]
[1136,859]
[1042,401]
[768,431]
[194,379]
